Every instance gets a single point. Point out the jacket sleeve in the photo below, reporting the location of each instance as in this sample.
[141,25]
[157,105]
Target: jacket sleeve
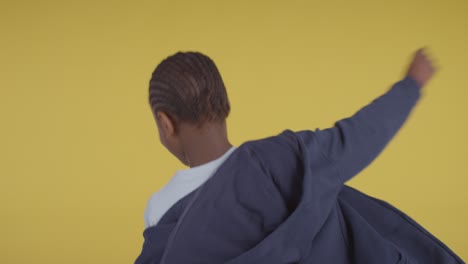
[354,142]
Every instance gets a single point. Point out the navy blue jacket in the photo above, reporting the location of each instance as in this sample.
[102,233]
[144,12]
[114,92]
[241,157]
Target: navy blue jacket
[282,199]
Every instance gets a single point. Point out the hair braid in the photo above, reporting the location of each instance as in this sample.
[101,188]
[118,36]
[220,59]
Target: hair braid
[189,86]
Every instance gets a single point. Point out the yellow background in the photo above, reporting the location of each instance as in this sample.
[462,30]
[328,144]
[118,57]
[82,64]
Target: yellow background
[80,153]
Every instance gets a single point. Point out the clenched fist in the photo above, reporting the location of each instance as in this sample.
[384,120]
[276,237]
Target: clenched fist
[421,68]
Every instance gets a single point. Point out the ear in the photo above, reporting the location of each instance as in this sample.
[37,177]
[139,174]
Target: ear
[167,123]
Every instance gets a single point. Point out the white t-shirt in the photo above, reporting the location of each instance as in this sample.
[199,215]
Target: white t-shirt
[182,183]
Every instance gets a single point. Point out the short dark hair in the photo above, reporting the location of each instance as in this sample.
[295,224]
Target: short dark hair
[189,86]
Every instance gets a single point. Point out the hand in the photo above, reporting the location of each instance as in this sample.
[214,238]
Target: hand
[421,68]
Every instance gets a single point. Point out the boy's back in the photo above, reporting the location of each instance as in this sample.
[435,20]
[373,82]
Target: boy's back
[282,199]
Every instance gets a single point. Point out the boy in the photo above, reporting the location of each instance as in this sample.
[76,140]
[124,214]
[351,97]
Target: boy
[281,199]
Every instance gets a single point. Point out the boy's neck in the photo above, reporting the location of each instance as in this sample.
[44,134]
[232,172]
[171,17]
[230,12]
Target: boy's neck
[205,144]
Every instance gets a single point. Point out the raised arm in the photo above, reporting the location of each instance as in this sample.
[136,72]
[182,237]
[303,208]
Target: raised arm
[354,142]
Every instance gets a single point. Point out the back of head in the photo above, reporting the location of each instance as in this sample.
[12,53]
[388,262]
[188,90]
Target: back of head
[188,87]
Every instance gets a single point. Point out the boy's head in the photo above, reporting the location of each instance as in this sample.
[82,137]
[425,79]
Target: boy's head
[186,89]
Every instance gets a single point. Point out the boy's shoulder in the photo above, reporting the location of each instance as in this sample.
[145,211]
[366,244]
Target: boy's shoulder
[285,136]
[272,148]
